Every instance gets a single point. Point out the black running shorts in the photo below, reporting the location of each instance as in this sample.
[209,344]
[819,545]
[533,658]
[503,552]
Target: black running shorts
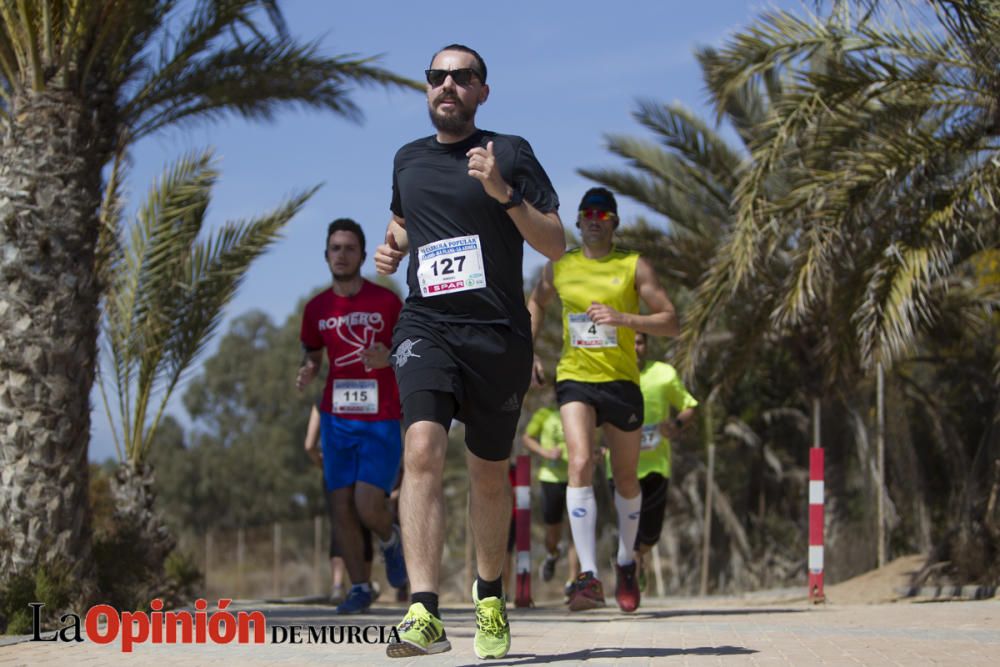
[654,507]
[553,502]
[486,368]
[618,403]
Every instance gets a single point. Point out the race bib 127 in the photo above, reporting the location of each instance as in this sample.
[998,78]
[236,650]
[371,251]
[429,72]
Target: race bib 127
[451,265]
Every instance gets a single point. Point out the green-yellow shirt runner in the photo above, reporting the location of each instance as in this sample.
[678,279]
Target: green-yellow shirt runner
[545,426]
[662,389]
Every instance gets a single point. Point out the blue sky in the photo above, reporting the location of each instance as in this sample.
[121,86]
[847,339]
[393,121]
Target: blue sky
[562,75]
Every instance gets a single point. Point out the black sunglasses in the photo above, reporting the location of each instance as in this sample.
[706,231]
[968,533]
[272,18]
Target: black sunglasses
[461,77]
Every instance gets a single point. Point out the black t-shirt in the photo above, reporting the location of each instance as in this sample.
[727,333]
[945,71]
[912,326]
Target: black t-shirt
[433,192]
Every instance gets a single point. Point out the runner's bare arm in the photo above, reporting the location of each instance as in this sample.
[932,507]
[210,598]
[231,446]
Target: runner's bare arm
[543,231]
[542,294]
[311,362]
[376,356]
[536,447]
[312,438]
[672,428]
[662,318]
[389,254]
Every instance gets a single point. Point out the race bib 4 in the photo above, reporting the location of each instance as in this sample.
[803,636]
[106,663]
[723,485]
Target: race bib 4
[583,332]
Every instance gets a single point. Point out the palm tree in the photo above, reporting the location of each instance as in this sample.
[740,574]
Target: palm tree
[889,144]
[166,293]
[80,81]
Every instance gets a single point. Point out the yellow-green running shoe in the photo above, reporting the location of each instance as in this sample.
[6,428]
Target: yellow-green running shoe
[492,628]
[420,633]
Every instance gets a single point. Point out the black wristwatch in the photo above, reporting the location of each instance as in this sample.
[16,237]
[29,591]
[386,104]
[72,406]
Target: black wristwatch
[516,197]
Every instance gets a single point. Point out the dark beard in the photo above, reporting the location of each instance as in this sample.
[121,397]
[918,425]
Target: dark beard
[455,123]
[347,277]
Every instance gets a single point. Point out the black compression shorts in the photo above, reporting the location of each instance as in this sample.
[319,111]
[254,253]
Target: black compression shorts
[654,508]
[485,369]
[553,502]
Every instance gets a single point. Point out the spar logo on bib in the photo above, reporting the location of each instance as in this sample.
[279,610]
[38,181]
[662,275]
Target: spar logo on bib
[357,330]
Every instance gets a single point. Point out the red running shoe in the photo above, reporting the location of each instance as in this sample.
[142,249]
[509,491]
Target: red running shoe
[626,587]
[587,593]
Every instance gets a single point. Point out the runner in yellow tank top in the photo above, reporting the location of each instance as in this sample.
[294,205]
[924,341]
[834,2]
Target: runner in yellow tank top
[597,381]
[596,352]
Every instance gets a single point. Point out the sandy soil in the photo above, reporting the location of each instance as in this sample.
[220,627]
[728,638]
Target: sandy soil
[878,585]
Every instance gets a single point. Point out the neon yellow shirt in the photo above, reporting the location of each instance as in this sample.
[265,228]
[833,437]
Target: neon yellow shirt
[662,389]
[593,353]
[546,427]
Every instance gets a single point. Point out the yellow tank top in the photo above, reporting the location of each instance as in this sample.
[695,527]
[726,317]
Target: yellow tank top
[593,353]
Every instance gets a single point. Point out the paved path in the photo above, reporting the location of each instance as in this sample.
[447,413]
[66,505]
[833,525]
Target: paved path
[681,632]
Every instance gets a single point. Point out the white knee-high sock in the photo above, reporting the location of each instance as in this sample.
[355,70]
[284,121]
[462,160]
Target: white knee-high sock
[582,509]
[628,525]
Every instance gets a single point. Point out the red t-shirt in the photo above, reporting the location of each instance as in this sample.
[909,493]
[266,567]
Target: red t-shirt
[345,326]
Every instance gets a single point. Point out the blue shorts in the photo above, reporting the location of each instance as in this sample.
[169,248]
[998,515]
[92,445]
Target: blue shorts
[359,451]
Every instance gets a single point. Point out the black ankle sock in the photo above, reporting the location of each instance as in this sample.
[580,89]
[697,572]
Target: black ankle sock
[429,600]
[489,589]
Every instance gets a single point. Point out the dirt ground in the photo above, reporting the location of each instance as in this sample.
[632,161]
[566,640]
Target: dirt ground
[880,585]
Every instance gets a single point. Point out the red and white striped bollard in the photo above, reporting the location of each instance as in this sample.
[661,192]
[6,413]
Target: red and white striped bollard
[522,530]
[816,525]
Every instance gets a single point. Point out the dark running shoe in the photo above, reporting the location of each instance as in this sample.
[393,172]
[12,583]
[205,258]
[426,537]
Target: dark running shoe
[549,566]
[357,601]
[568,589]
[626,588]
[587,593]
[395,565]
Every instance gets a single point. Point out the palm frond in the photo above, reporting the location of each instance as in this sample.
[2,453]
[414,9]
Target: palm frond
[133,321]
[233,79]
[209,279]
[681,130]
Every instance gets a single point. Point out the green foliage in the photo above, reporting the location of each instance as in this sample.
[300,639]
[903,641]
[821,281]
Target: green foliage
[183,575]
[243,462]
[48,583]
[15,614]
[885,140]
[123,573]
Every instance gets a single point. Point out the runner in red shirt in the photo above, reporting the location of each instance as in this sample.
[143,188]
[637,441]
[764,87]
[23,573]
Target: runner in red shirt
[359,412]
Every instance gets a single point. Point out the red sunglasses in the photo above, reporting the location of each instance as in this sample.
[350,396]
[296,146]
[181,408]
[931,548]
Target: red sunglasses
[597,214]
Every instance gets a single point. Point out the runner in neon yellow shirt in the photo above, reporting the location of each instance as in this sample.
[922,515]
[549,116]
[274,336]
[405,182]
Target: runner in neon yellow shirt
[544,437]
[662,389]
[601,288]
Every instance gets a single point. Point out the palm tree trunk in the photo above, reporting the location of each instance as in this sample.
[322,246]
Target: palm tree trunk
[50,184]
